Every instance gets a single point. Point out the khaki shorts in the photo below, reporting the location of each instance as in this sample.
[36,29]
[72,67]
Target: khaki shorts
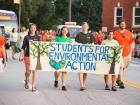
[125,61]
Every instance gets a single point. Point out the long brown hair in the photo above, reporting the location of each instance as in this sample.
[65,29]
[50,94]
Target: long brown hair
[30,29]
[68,34]
[13,30]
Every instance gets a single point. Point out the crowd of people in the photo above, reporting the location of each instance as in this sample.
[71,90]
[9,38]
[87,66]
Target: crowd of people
[20,43]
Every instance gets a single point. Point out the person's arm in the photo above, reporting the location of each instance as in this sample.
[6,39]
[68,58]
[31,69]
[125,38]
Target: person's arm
[21,56]
[18,39]
[77,38]
[4,55]
[131,38]
[91,39]
[22,49]
[3,50]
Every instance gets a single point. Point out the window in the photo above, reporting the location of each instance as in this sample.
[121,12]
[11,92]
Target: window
[136,16]
[118,15]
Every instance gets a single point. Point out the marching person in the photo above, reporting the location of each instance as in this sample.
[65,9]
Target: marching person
[21,36]
[14,40]
[84,37]
[63,37]
[110,41]
[32,36]
[125,39]
[2,50]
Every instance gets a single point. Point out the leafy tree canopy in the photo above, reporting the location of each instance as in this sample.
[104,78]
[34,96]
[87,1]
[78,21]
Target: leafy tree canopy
[47,14]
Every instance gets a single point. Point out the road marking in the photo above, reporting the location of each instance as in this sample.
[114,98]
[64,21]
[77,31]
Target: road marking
[132,84]
[129,83]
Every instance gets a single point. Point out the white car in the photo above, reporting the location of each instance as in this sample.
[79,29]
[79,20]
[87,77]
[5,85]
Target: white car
[73,29]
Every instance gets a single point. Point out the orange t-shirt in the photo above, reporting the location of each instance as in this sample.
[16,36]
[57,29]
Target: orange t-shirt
[125,40]
[1,44]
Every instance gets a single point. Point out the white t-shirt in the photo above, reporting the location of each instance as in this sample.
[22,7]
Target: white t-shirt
[110,42]
[21,38]
[14,37]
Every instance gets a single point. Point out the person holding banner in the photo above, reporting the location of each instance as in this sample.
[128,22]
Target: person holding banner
[84,38]
[110,41]
[125,39]
[63,37]
[32,36]
[2,51]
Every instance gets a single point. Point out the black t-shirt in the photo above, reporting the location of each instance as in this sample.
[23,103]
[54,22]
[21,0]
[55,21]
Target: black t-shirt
[84,38]
[25,44]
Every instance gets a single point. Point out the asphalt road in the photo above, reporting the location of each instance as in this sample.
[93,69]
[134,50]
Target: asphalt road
[12,90]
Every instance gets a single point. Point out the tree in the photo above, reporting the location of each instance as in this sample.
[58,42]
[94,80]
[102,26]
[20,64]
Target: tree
[50,13]
[37,49]
[88,10]
[61,9]
[113,57]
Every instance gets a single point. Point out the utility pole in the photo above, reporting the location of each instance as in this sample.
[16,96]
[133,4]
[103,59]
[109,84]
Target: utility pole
[19,12]
[19,19]
[69,10]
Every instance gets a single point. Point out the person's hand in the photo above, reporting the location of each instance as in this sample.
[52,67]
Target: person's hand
[20,58]
[31,41]
[4,63]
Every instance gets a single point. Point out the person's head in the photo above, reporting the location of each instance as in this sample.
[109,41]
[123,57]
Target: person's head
[100,32]
[122,24]
[85,26]
[32,29]
[64,31]
[14,30]
[110,35]
[23,29]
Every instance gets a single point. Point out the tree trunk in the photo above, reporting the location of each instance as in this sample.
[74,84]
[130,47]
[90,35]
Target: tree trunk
[112,67]
[38,65]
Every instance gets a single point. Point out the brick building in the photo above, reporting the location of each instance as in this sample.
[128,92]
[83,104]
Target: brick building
[114,10]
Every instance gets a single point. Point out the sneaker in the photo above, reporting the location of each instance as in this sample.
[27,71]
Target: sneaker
[82,88]
[56,84]
[114,88]
[64,88]
[107,87]
[122,85]
[118,82]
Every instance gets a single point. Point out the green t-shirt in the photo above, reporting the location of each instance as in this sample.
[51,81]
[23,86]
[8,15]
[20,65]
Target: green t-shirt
[62,39]
[84,38]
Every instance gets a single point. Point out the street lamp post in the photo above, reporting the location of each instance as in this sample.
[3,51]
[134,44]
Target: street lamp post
[69,10]
[19,19]
[19,12]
